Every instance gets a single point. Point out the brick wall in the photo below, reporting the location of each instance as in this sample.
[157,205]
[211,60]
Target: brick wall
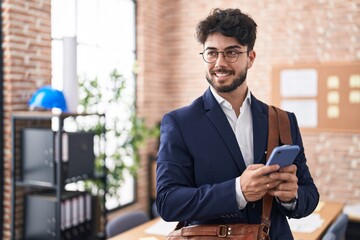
[334,159]
[171,71]
[27,66]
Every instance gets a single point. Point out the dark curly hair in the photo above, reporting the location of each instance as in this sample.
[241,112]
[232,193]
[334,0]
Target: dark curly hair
[230,23]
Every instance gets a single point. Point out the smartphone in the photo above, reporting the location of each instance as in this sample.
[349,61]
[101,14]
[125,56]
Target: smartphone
[283,155]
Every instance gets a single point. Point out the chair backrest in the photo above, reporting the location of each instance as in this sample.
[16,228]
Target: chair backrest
[338,228]
[329,236]
[125,222]
[154,210]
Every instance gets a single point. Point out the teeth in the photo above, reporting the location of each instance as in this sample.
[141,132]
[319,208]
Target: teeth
[222,74]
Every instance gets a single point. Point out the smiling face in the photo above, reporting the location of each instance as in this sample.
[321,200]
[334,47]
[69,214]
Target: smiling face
[223,76]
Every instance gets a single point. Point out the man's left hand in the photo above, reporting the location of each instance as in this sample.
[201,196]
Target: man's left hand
[287,189]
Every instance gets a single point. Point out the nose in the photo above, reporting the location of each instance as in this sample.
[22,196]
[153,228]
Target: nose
[220,61]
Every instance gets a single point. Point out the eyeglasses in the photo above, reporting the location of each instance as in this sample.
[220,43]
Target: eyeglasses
[230,55]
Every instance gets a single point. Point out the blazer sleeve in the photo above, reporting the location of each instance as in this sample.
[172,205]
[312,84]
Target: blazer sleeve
[308,195]
[178,196]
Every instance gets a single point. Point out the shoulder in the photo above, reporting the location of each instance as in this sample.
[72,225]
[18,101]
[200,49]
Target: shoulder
[264,108]
[196,108]
[258,106]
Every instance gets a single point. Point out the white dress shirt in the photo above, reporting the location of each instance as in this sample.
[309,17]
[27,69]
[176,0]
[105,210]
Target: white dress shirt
[243,130]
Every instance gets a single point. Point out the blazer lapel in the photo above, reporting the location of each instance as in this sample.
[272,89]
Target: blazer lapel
[220,122]
[260,129]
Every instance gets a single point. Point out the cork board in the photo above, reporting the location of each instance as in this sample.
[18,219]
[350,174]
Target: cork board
[323,96]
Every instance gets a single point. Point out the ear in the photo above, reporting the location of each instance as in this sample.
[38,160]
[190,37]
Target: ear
[251,58]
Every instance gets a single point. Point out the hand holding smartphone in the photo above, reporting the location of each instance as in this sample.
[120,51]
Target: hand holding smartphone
[283,155]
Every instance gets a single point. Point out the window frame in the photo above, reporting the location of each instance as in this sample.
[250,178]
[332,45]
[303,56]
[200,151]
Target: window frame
[81,43]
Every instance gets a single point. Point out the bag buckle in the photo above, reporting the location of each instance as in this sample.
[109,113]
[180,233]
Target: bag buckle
[265,228]
[223,231]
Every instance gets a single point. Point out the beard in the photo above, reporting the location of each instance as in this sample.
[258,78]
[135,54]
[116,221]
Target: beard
[232,86]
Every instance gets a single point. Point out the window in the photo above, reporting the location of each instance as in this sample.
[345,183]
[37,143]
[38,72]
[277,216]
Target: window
[92,38]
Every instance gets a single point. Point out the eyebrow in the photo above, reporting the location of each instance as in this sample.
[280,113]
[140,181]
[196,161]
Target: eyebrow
[229,47]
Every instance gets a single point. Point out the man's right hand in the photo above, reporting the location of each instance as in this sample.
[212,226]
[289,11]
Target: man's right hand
[255,181]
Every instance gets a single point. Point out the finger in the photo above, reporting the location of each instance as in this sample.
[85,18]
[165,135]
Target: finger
[265,170]
[288,177]
[284,191]
[255,166]
[273,184]
[290,169]
[286,186]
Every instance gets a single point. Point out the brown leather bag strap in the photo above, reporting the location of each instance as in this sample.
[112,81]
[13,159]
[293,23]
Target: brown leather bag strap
[273,132]
[220,231]
[284,126]
[273,141]
[279,131]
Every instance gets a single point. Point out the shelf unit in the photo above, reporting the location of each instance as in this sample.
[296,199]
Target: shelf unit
[23,188]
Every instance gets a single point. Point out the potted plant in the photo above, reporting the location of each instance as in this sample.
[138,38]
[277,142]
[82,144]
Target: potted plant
[125,132]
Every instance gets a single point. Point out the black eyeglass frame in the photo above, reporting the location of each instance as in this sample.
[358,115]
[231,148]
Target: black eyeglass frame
[223,52]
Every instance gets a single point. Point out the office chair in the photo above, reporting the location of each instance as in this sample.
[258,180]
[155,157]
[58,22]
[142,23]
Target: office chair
[154,210]
[338,228]
[125,222]
[329,236]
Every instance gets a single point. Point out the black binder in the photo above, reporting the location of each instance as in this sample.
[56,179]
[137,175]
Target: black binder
[40,220]
[39,152]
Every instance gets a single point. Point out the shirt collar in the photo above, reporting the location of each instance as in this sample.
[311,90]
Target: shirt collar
[225,103]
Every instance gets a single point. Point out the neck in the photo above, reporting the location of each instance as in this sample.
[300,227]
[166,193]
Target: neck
[236,97]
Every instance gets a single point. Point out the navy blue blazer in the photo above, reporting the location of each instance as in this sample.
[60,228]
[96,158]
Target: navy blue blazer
[199,159]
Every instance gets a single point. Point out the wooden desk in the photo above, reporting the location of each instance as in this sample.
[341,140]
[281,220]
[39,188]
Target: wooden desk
[327,210]
[138,233]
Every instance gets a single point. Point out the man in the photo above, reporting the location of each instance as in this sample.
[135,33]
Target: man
[210,167]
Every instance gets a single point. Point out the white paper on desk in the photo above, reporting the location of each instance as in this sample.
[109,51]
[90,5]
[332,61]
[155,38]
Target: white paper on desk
[352,210]
[161,227]
[307,224]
